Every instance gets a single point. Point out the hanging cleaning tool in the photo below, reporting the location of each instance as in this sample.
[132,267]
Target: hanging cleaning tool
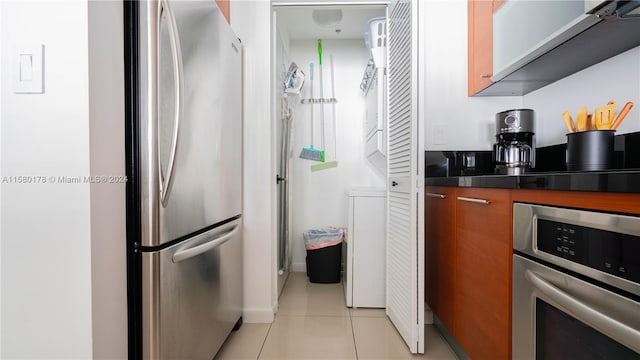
[333,111]
[333,163]
[311,153]
[322,143]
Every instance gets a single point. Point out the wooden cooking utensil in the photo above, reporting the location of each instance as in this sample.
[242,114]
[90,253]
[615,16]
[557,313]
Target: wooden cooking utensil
[596,120]
[623,113]
[605,116]
[581,124]
[582,115]
[610,111]
[568,121]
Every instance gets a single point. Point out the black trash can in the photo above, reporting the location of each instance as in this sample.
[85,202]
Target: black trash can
[324,255]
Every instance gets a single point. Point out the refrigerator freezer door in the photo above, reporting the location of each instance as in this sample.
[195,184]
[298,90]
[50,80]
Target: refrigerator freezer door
[192,294]
[192,175]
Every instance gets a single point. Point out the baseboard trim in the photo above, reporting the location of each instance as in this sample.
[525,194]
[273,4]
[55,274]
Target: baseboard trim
[428,315]
[258,316]
[457,349]
[299,267]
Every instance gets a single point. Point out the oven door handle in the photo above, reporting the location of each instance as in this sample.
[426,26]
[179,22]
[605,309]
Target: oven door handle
[613,328]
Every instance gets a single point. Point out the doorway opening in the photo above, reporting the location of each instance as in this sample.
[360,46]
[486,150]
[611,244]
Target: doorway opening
[328,113]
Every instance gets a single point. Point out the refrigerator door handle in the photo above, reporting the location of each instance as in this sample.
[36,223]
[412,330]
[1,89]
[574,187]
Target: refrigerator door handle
[185,254]
[165,181]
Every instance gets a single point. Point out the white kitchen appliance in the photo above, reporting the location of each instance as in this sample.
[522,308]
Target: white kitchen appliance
[364,248]
[375,37]
[184,169]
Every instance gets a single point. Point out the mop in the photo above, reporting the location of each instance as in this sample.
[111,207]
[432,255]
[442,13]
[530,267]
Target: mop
[311,153]
[333,163]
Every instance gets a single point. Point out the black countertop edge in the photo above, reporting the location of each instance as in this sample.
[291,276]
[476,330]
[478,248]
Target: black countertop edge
[627,181]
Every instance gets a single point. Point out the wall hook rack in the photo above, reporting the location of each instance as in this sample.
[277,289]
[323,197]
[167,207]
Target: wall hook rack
[319,101]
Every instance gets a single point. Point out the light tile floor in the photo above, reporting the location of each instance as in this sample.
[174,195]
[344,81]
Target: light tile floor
[313,322]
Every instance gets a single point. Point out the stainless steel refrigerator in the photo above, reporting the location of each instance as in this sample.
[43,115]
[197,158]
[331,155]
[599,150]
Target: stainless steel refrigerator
[184,163]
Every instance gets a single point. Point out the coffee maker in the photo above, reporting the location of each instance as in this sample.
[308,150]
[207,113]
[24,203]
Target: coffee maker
[515,149]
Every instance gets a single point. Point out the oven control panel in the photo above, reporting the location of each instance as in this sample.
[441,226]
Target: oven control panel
[614,253]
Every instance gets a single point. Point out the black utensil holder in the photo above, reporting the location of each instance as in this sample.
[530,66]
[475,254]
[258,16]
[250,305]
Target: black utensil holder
[590,150]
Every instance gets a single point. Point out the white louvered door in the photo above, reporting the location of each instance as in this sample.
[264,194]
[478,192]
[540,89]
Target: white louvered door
[405,191]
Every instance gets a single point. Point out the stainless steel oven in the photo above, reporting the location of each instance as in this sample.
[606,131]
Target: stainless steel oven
[576,284]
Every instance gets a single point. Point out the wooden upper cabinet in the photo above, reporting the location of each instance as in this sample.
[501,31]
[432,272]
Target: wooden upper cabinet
[440,253]
[480,46]
[225,7]
[497,4]
[483,272]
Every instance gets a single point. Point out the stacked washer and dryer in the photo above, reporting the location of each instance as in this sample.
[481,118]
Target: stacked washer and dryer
[374,88]
[364,250]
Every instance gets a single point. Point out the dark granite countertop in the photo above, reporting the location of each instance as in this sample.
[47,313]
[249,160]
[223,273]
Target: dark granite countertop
[623,181]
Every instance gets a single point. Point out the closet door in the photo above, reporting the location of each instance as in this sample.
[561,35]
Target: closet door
[405,179]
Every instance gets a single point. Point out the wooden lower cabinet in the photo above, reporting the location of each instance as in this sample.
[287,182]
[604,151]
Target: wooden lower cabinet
[468,266]
[468,252]
[483,272]
[440,253]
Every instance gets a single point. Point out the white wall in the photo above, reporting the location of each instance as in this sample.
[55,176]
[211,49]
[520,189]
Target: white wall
[318,198]
[454,121]
[1,174]
[616,79]
[108,223]
[46,249]
[251,21]
[49,232]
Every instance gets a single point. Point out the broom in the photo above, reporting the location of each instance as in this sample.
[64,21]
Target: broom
[333,163]
[310,153]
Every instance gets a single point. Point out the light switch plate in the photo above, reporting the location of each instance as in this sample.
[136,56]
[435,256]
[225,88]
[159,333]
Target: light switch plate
[28,69]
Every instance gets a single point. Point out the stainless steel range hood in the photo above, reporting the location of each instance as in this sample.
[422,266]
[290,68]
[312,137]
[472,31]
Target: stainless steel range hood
[606,30]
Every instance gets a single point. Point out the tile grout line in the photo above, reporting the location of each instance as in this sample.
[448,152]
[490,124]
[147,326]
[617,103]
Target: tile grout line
[265,340]
[353,332]
[284,287]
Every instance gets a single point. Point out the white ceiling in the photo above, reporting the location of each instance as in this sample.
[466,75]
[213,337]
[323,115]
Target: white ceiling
[298,23]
